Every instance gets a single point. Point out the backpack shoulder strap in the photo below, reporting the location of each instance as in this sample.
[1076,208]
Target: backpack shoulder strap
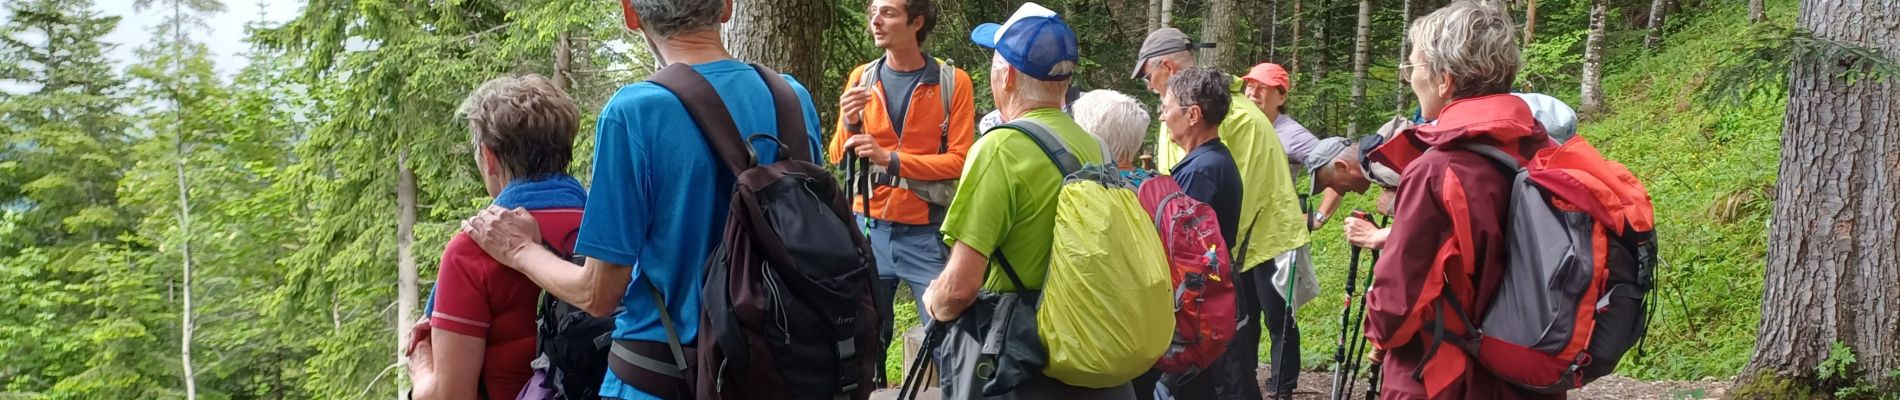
[791,115]
[1052,146]
[947,90]
[869,76]
[709,112]
[1505,161]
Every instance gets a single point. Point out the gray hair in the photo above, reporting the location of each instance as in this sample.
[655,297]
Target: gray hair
[665,18]
[1030,89]
[526,120]
[1473,42]
[1204,87]
[1118,120]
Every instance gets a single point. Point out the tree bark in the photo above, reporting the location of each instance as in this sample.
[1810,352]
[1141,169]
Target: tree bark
[186,327]
[1167,13]
[1757,12]
[406,292]
[1657,11]
[1154,16]
[1593,61]
[1831,266]
[1221,27]
[1404,95]
[1319,42]
[1361,56]
[1293,66]
[1530,22]
[783,35]
[564,62]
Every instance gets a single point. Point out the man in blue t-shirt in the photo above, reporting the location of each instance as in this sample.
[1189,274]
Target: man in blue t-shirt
[659,193]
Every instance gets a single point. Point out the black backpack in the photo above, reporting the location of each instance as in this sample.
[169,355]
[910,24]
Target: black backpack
[787,310]
[572,344]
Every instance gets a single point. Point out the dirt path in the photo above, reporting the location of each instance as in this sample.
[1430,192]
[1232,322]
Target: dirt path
[1317,385]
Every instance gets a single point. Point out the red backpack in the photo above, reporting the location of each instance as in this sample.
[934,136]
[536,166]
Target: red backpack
[1203,276]
[1582,251]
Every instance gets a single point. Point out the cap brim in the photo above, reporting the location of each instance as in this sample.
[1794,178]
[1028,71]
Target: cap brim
[1140,67]
[985,35]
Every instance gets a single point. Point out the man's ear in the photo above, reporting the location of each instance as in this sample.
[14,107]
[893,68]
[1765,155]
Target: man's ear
[727,15]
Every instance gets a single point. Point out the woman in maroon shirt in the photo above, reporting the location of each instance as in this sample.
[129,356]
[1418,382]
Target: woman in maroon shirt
[1448,242]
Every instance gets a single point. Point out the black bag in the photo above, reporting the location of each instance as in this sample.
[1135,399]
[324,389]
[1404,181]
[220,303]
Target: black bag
[989,350]
[787,311]
[572,345]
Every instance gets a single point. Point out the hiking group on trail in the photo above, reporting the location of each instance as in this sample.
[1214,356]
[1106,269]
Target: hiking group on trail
[719,254]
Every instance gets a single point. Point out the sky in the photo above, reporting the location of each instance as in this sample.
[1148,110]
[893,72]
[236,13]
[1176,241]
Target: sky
[225,36]
[224,33]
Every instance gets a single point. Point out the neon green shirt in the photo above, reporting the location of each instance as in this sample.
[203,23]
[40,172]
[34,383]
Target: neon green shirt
[1268,193]
[1007,198]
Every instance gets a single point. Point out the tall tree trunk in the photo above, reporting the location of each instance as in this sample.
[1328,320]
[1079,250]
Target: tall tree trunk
[1167,13]
[1757,12]
[1657,11]
[1273,32]
[1593,61]
[564,62]
[1403,96]
[186,325]
[186,328]
[1293,66]
[1320,54]
[1154,16]
[1831,266]
[406,296]
[1221,27]
[782,35]
[1361,56]
[1530,22]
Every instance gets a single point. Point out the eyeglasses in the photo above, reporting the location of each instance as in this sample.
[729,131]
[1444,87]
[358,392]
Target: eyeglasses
[1405,70]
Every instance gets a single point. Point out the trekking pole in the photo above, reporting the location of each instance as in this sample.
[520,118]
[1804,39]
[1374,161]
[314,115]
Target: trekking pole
[1358,322]
[1342,366]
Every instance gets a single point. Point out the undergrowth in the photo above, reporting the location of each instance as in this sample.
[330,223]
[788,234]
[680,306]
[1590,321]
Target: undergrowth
[1709,163]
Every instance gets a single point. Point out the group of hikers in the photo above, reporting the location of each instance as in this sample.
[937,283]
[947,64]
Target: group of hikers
[714,257]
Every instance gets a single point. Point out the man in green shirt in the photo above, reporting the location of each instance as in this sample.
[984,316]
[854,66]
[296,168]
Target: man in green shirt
[1006,202]
[1271,221]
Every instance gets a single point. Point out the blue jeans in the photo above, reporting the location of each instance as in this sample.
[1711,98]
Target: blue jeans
[914,254]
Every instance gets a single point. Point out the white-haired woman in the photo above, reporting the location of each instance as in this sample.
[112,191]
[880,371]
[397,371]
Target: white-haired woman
[1464,59]
[1120,122]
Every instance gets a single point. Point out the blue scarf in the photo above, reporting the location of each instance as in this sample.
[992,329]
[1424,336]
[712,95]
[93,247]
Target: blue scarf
[551,191]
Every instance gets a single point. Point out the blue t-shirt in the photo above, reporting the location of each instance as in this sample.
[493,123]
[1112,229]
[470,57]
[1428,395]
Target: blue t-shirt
[1209,174]
[659,195]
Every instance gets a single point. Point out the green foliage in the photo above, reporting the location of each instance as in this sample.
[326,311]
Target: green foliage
[292,166]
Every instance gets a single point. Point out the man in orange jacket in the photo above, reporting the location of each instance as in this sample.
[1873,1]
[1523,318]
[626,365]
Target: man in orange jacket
[912,118]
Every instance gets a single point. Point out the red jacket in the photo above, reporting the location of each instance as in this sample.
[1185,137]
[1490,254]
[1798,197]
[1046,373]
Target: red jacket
[1448,241]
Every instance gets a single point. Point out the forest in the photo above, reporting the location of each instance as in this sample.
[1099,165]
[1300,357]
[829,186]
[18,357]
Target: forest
[171,231]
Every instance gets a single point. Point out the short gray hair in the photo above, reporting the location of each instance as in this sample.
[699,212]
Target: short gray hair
[665,18]
[1030,89]
[1204,87]
[1474,42]
[1118,120]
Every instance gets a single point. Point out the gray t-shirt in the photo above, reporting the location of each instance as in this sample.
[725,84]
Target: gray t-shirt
[897,90]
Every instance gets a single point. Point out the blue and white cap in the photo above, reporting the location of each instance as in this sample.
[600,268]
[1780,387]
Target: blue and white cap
[1035,41]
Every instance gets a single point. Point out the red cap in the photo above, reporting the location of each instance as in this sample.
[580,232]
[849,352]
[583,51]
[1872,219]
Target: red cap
[1269,74]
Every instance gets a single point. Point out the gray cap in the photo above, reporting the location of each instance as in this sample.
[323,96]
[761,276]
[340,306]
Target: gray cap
[1324,152]
[1161,42]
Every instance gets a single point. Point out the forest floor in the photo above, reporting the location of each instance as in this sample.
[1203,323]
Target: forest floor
[1314,385]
